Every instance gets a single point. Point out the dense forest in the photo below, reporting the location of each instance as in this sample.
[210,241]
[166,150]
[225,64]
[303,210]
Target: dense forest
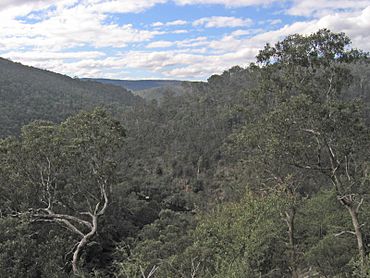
[138,85]
[262,171]
[32,94]
[151,89]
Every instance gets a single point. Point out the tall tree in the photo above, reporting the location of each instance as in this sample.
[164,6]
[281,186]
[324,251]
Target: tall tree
[311,131]
[62,174]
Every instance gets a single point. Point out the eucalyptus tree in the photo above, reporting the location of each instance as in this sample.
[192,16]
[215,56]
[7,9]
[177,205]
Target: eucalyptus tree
[62,174]
[309,133]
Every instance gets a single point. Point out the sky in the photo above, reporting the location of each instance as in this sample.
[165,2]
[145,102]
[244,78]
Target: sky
[164,39]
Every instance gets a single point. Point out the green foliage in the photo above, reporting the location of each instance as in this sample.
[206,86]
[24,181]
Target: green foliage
[29,94]
[29,251]
[241,239]
[60,170]
[331,258]
[310,135]
[318,49]
[323,250]
[178,201]
[158,244]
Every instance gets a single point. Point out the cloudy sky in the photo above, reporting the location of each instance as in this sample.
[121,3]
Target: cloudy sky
[166,39]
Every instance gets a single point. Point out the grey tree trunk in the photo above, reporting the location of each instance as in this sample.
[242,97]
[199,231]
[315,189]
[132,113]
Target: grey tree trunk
[358,233]
[82,244]
[349,203]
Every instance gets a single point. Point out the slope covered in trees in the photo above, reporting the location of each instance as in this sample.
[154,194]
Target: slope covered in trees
[138,85]
[260,172]
[150,89]
[29,94]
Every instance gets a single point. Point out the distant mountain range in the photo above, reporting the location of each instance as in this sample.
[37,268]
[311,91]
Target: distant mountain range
[154,89]
[138,85]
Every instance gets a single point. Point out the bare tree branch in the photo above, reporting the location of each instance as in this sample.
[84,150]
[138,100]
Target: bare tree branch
[359,205]
[51,215]
[344,232]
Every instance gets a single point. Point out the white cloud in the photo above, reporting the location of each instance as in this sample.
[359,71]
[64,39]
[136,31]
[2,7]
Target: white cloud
[119,6]
[274,21]
[228,3]
[195,42]
[239,33]
[49,43]
[11,9]
[176,23]
[158,24]
[170,23]
[222,21]
[126,6]
[320,8]
[181,31]
[70,27]
[14,8]
[182,45]
[232,50]
[160,44]
[9,4]
[43,56]
[297,7]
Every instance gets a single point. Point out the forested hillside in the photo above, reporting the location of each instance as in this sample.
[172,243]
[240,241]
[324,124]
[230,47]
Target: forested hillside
[151,89]
[29,94]
[260,172]
[137,85]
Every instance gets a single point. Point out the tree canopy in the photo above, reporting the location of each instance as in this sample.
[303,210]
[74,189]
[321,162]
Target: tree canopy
[260,172]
